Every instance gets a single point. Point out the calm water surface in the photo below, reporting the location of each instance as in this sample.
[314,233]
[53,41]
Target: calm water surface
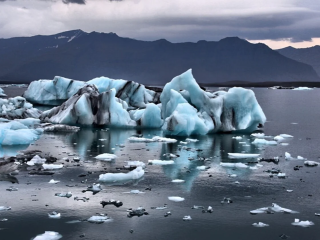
[35,197]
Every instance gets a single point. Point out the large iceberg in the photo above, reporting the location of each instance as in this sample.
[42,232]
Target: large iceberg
[184,109]
[55,92]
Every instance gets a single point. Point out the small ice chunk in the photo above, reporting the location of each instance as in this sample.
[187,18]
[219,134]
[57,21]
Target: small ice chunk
[274,208]
[258,135]
[300,158]
[135,192]
[288,190]
[232,175]
[286,135]
[52,166]
[302,88]
[281,175]
[234,165]
[183,142]
[187,218]
[259,141]
[131,164]
[36,160]
[288,156]
[192,140]
[201,168]
[140,211]
[163,139]
[54,215]
[243,155]
[94,188]
[311,163]
[160,162]
[99,219]
[176,199]
[53,181]
[12,189]
[48,235]
[178,181]
[237,137]
[299,223]
[106,157]
[114,177]
[260,224]
[278,138]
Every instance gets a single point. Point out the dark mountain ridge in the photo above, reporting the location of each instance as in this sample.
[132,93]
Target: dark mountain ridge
[83,56]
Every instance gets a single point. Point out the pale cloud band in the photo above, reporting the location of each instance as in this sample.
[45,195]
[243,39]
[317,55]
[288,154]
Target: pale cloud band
[175,20]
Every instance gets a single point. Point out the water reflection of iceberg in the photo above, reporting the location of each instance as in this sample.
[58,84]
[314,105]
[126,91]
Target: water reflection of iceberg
[216,147]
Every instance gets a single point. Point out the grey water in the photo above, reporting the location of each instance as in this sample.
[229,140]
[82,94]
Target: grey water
[290,112]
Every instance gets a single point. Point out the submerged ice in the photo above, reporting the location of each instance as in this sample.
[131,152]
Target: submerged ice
[182,108]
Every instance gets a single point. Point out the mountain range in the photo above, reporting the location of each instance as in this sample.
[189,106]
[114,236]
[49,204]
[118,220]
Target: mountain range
[83,56]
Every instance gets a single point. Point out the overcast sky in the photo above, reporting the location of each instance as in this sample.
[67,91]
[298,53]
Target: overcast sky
[278,23]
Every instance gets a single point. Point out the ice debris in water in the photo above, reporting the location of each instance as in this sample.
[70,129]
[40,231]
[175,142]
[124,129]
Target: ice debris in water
[197,207]
[54,181]
[160,208]
[3,208]
[243,155]
[178,181]
[52,166]
[311,163]
[36,160]
[202,168]
[176,199]
[302,88]
[48,235]
[83,199]
[260,224]
[281,175]
[94,188]
[286,135]
[258,135]
[111,202]
[67,195]
[289,157]
[274,208]
[12,189]
[187,218]
[106,157]
[54,215]
[140,211]
[114,177]
[192,140]
[299,223]
[226,200]
[237,137]
[99,219]
[160,162]
[259,141]
[234,165]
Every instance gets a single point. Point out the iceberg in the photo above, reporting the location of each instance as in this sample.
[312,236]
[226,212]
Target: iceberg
[182,109]
[299,223]
[274,208]
[311,163]
[176,199]
[106,157]
[114,177]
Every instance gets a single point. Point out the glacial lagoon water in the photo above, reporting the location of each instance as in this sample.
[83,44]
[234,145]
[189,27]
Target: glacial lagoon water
[291,112]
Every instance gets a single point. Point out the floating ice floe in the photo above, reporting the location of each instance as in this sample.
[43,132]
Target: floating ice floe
[52,166]
[286,135]
[187,218]
[278,138]
[12,189]
[60,128]
[17,108]
[140,211]
[273,208]
[237,137]
[176,199]
[243,155]
[191,140]
[160,162]
[3,208]
[299,223]
[53,181]
[281,175]
[154,139]
[260,224]
[106,157]
[94,188]
[258,135]
[114,177]
[99,219]
[111,202]
[83,199]
[289,157]
[2,94]
[36,160]
[302,88]
[311,163]
[234,165]
[178,181]
[259,141]
[67,195]
[202,168]
[54,215]
[160,208]
[48,235]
